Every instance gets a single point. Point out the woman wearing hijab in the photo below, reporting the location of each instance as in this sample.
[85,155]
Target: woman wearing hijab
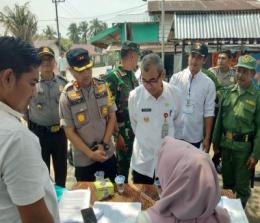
[190,189]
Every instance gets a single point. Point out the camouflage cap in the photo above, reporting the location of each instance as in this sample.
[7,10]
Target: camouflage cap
[200,48]
[247,61]
[79,59]
[129,45]
[45,50]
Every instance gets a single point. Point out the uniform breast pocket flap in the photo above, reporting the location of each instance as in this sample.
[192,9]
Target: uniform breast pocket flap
[80,115]
[247,112]
[82,118]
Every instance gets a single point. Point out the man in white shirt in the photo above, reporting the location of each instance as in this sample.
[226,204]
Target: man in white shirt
[153,109]
[62,64]
[198,97]
[26,192]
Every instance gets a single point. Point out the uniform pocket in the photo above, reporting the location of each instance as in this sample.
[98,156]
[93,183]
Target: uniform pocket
[246,112]
[80,115]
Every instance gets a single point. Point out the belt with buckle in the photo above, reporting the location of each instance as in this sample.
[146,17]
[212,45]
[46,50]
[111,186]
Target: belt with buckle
[52,128]
[238,137]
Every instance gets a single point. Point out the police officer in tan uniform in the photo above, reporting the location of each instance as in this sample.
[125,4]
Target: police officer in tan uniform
[224,73]
[43,116]
[87,112]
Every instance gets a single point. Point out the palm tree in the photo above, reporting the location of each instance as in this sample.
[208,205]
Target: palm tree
[49,32]
[74,33]
[96,26]
[83,27]
[19,21]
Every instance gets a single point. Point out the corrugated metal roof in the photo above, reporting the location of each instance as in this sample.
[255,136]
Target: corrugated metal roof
[216,25]
[204,5]
[134,18]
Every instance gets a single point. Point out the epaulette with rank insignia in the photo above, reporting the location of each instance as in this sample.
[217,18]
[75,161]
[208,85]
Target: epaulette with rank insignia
[62,78]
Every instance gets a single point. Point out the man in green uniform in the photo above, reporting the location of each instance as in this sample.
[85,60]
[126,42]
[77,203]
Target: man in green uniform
[237,130]
[121,81]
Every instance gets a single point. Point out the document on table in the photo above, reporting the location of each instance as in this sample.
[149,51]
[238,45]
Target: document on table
[117,212]
[71,203]
[235,209]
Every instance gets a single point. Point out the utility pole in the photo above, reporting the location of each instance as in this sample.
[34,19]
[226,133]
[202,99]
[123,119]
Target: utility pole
[163,27]
[57,19]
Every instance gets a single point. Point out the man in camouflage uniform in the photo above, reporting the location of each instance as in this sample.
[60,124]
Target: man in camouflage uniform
[225,75]
[87,112]
[121,81]
[43,116]
[237,130]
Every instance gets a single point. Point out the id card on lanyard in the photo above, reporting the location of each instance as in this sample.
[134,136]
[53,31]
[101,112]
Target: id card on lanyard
[189,106]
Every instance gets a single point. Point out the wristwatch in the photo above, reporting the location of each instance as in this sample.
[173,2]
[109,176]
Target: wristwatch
[106,146]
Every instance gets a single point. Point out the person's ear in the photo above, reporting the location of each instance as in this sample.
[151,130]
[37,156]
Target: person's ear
[7,78]
[163,74]
[204,60]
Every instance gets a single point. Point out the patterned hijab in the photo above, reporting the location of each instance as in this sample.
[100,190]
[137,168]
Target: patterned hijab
[190,189]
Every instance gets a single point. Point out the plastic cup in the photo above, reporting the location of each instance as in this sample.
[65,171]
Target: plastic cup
[120,182]
[99,175]
[158,186]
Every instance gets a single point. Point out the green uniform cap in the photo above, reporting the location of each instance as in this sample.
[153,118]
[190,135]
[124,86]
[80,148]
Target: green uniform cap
[247,61]
[128,45]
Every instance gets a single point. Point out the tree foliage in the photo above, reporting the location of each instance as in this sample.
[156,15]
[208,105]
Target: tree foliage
[84,31]
[19,21]
[50,33]
[83,28]
[74,33]
[96,26]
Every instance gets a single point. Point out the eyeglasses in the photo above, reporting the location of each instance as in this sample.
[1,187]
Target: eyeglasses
[151,81]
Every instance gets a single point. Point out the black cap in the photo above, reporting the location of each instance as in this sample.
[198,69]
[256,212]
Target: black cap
[129,45]
[79,59]
[45,50]
[200,48]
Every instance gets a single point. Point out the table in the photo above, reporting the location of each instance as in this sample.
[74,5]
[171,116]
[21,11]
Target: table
[146,194]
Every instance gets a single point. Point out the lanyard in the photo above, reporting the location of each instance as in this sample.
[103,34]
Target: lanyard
[190,86]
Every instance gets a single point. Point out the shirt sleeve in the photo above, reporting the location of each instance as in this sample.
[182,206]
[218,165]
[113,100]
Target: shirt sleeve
[131,109]
[112,83]
[209,105]
[66,118]
[23,169]
[111,101]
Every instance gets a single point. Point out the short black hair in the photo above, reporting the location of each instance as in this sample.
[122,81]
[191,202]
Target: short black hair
[18,55]
[227,52]
[145,52]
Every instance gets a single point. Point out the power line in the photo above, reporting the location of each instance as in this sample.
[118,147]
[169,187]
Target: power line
[104,15]
[67,11]
[74,8]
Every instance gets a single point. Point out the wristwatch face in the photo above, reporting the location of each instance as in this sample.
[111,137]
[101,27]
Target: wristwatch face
[106,146]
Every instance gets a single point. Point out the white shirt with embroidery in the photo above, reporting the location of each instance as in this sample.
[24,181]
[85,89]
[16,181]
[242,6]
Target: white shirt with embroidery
[147,116]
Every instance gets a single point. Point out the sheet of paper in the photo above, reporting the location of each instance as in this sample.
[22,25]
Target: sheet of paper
[117,212]
[71,203]
[235,209]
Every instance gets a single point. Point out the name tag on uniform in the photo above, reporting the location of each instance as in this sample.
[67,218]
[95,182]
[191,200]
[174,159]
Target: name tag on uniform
[146,110]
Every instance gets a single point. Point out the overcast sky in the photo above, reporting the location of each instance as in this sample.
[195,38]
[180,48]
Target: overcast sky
[78,10]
